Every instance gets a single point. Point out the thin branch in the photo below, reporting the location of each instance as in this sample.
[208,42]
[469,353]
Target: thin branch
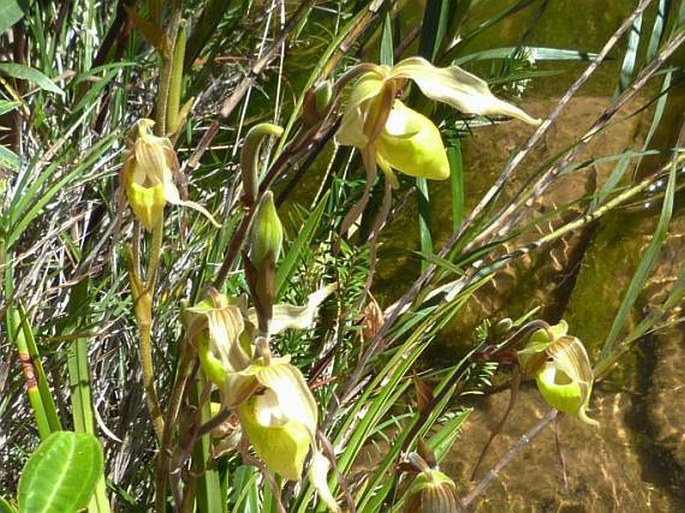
[508,457]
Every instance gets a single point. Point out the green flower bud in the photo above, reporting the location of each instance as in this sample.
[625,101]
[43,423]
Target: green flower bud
[267,232]
[323,93]
[317,102]
[431,492]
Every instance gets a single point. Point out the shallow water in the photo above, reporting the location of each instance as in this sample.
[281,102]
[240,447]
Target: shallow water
[635,460]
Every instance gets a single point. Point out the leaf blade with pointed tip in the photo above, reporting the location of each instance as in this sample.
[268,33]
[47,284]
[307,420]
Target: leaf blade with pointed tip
[15,70]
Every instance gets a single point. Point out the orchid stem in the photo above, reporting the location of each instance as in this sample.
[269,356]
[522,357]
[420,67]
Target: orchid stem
[155,253]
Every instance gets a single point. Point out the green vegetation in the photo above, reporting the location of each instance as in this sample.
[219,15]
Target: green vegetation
[194,227]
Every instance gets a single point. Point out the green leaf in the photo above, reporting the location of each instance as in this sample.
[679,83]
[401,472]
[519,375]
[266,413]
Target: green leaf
[61,474]
[11,11]
[6,106]
[8,158]
[537,53]
[287,266]
[6,506]
[245,489]
[645,266]
[31,74]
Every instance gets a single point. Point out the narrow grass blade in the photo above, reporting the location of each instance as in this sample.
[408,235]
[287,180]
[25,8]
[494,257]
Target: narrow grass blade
[435,22]
[387,52]
[16,335]
[79,379]
[658,28]
[208,489]
[43,388]
[630,57]
[288,265]
[9,159]
[646,264]
[6,507]
[456,183]
[537,53]
[8,106]
[423,199]
[245,490]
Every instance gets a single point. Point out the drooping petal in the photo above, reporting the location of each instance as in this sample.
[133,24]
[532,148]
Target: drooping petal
[361,105]
[412,144]
[458,88]
[172,196]
[295,317]
[318,472]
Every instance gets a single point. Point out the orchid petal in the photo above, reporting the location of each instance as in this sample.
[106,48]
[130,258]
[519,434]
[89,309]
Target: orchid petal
[294,397]
[318,470]
[295,317]
[458,88]
[283,448]
[364,95]
[412,144]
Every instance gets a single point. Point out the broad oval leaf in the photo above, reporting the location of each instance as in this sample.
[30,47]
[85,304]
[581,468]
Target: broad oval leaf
[61,474]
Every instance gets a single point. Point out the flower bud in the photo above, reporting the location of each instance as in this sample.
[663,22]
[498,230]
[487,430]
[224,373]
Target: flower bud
[267,232]
[317,102]
[431,492]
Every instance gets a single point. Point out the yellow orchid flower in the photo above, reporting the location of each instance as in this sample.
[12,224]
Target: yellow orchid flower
[280,420]
[217,330]
[562,370]
[396,137]
[280,417]
[148,177]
